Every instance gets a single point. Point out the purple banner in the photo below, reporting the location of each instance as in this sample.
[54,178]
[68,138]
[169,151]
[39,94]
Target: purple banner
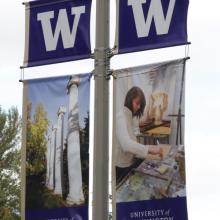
[144,25]
[57,31]
[164,209]
[79,213]
[148,142]
[57,148]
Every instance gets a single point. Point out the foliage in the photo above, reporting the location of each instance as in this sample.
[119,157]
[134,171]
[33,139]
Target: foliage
[84,154]
[9,164]
[36,146]
[38,196]
[36,140]
[65,173]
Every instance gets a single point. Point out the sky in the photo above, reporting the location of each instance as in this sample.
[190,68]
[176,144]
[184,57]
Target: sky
[55,96]
[202,129]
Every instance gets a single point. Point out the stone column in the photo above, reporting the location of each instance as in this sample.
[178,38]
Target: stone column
[75,195]
[52,158]
[59,152]
[48,160]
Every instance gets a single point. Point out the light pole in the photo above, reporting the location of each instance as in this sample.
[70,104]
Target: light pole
[101,127]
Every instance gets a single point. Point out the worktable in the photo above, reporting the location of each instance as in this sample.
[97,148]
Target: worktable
[155,179]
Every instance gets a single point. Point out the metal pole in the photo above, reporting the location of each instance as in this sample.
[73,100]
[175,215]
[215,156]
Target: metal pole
[101,127]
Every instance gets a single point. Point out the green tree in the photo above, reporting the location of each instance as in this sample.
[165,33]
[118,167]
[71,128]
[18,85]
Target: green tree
[9,164]
[84,153]
[37,195]
[36,140]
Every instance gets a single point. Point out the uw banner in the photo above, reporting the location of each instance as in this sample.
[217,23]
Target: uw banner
[56,118]
[150,24]
[148,143]
[57,31]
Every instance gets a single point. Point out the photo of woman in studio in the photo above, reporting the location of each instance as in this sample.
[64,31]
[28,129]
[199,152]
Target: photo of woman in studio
[128,151]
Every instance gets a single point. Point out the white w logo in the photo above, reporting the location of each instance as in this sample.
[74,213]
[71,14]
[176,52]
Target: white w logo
[155,12]
[62,26]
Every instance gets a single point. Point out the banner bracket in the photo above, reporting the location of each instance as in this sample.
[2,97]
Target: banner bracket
[187,50]
[186,58]
[114,75]
[112,52]
[110,73]
[22,74]
[92,56]
[115,50]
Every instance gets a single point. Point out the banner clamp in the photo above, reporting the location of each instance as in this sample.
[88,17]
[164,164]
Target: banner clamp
[21,74]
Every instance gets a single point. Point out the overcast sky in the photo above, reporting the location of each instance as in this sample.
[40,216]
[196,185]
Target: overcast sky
[202,90]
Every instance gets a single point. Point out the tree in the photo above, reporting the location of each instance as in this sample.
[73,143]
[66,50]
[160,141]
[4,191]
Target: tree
[9,164]
[84,154]
[37,195]
[36,141]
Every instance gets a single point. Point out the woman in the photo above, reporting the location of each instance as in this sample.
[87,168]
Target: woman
[128,150]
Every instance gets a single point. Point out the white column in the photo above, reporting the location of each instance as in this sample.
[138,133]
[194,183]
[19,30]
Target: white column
[59,152]
[48,160]
[52,158]
[75,195]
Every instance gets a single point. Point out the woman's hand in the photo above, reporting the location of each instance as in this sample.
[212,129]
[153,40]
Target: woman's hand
[156,150]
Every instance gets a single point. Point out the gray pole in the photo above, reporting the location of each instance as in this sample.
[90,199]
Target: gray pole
[101,127]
